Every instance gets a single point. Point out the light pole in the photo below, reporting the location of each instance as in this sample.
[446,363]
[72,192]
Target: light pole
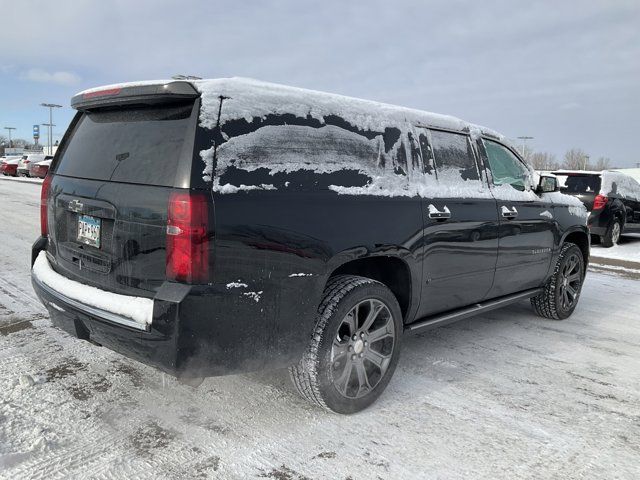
[9,129]
[50,106]
[524,140]
[586,162]
[49,131]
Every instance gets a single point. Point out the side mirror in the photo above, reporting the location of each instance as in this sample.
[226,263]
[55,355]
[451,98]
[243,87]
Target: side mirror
[547,184]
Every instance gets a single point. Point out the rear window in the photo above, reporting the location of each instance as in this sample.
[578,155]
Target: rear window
[136,145]
[577,184]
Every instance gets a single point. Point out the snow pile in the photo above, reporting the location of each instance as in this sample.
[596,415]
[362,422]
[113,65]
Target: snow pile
[237,284]
[301,275]
[138,309]
[616,183]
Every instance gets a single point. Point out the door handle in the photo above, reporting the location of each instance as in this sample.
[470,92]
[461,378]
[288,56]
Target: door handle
[440,215]
[510,214]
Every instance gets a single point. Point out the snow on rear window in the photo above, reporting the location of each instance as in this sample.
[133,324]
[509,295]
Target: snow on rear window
[288,148]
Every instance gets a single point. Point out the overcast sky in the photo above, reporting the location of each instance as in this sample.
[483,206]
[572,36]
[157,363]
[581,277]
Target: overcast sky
[564,72]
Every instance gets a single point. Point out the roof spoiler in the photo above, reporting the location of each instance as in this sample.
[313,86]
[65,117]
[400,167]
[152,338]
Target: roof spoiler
[154,94]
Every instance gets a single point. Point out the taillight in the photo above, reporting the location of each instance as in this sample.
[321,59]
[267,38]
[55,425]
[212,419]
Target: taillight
[187,238]
[44,194]
[599,202]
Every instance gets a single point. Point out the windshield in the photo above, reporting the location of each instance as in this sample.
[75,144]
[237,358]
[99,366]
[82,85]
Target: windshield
[136,145]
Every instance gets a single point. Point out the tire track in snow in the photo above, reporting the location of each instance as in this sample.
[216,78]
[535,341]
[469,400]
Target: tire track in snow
[15,298]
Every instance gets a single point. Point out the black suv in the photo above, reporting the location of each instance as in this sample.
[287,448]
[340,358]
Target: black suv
[222,226]
[612,199]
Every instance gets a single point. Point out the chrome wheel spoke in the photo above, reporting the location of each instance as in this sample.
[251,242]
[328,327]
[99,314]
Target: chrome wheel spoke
[379,334]
[352,321]
[342,382]
[379,360]
[363,381]
[374,311]
[574,277]
[339,350]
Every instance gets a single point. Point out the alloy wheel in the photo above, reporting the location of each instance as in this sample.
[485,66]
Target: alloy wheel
[362,349]
[570,282]
[615,233]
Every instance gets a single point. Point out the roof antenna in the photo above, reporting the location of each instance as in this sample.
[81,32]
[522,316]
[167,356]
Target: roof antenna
[185,77]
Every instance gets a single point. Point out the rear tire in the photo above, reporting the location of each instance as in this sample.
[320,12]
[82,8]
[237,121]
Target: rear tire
[355,346]
[560,296]
[612,236]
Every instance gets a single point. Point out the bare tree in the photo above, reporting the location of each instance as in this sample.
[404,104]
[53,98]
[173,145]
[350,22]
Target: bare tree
[543,161]
[603,163]
[576,159]
[526,153]
[19,142]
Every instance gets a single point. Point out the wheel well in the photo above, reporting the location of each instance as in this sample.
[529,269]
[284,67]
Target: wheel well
[391,271]
[581,239]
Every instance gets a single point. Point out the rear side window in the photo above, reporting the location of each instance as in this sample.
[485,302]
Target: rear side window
[297,155]
[136,145]
[505,167]
[453,153]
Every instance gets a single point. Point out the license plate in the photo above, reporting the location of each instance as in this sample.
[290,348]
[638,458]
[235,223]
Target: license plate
[89,230]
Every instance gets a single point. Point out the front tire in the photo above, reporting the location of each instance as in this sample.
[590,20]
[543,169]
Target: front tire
[355,346]
[560,296]
[612,237]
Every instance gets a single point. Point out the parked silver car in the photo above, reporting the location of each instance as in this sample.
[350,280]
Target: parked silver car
[26,160]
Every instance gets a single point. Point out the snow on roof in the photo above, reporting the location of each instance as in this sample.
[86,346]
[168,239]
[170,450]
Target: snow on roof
[247,98]
[632,172]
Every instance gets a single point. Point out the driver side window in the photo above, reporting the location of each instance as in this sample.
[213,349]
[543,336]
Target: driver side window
[505,167]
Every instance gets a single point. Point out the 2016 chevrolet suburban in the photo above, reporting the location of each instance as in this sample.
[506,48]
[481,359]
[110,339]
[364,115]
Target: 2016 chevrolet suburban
[212,227]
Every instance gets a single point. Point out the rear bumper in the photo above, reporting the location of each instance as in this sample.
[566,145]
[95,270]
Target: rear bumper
[599,222]
[195,330]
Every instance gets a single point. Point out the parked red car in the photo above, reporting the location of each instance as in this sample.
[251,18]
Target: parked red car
[40,169]
[9,166]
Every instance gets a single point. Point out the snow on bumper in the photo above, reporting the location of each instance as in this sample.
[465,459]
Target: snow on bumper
[137,309]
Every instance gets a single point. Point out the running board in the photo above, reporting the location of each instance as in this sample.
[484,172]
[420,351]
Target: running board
[454,316]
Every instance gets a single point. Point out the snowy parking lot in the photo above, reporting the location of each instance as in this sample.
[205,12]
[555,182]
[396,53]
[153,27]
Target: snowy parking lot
[504,395]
